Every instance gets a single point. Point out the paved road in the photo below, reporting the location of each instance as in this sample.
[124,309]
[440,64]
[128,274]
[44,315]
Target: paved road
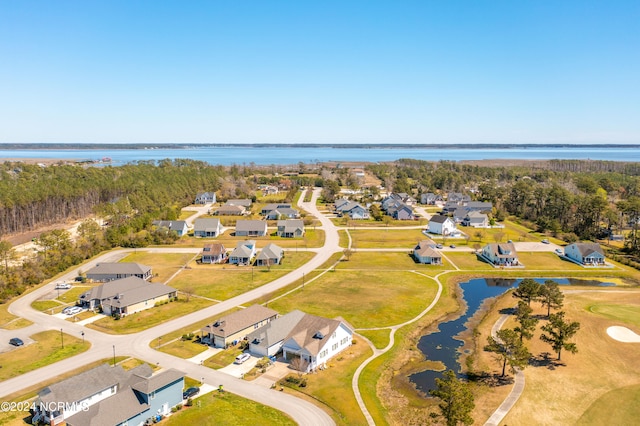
[137,345]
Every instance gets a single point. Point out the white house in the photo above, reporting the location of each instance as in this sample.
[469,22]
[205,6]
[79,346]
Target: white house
[424,253]
[501,254]
[589,254]
[441,225]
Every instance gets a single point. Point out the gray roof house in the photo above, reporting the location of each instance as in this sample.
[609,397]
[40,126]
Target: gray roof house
[244,202]
[213,253]
[274,206]
[237,325]
[251,228]
[268,340]
[108,271]
[205,198]
[179,226]
[424,253]
[207,227]
[270,255]
[282,212]
[231,210]
[588,254]
[243,254]
[501,254]
[106,395]
[476,219]
[290,228]
[126,296]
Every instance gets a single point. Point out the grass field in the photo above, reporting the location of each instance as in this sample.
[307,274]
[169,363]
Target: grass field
[223,358]
[387,238]
[355,224]
[47,349]
[390,261]
[626,401]
[546,261]
[468,261]
[627,314]
[149,317]
[364,298]
[9,321]
[182,348]
[163,265]
[379,338]
[227,409]
[221,282]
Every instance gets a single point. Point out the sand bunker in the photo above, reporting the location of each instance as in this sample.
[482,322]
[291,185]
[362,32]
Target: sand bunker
[623,334]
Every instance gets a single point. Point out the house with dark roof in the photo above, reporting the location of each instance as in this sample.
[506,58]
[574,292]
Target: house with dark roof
[501,254]
[588,254]
[430,198]
[290,228]
[213,253]
[237,325]
[425,252]
[311,338]
[271,254]
[178,226]
[441,225]
[109,271]
[244,253]
[274,206]
[476,219]
[108,395]
[207,227]
[205,198]
[251,228]
[126,296]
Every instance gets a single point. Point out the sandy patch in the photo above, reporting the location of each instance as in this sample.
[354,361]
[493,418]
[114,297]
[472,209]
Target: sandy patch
[623,334]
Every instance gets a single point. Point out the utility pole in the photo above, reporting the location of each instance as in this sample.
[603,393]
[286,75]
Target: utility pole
[62,338]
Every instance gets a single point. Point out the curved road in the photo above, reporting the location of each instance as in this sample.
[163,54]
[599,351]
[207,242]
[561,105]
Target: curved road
[137,345]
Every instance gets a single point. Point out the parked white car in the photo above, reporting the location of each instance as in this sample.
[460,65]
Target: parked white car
[63,286]
[242,358]
[72,310]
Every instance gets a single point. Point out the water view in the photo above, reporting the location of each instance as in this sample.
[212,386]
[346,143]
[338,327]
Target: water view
[444,344]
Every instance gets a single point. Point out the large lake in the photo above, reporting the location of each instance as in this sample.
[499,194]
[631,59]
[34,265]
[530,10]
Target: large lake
[291,155]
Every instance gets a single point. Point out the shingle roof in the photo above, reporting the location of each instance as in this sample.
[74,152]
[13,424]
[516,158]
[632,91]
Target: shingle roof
[439,219]
[229,208]
[276,331]
[587,249]
[308,330]
[157,381]
[109,268]
[139,294]
[214,249]
[170,224]
[206,224]
[113,288]
[271,251]
[110,411]
[83,385]
[245,202]
[251,225]
[239,320]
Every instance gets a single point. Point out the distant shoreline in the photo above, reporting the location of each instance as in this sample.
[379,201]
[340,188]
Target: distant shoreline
[470,146]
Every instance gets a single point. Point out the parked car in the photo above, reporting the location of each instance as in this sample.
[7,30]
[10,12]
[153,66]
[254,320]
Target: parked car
[452,246]
[16,342]
[559,251]
[545,241]
[439,246]
[242,358]
[72,310]
[192,391]
[63,286]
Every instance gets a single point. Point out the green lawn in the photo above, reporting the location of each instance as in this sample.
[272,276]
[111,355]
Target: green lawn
[626,401]
[222,409]
[163,265]
[47,349]
[355,224]
[364,298]
[629,314]
[72,295]
[48,306]
[390,261]
[313,238]
[468,261]
[223,358]
[149,317]
[379,338]
[546,261]
[182,348]
[387,238]
[221,282]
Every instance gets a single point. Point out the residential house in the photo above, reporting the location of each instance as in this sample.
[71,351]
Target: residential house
[179,226]
[588,254]
[237,325]
[206,227]
[282,212]
[268,189]
[244,253]
[424,253]
[213,253]
[205,198]
[290,228]
[231,210]
[476,220]
[244,202]
[458,197]
[404,212]
[430,198]
[479,206]
[501,254]
[271,254]
[251,228]
[268,340]
[110,395]
[352,209]
[405,198]
[273,206]
[126,296]
[339,203]
[441,225]
[108,271]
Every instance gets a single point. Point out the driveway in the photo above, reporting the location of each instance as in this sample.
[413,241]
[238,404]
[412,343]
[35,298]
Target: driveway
[239,370]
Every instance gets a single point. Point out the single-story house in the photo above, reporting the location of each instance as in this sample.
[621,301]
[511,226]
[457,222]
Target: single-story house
[441,225]
[244,202]
[231,210]
[274,206]
[270,255]
[244,253]
[251,228]
[501,254]
[237,325]
[126,296]
[313,339]
[179,226]
[207,227]
[282,212]
[213,253]
[476,219]
[108,271]
[290,228]
[590,254]
[205,198]
[424,253]
[108,395]
[356,211]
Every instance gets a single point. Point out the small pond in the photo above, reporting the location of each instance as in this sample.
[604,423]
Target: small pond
[443,344]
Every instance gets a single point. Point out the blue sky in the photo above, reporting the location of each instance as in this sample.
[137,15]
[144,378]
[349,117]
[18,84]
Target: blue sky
[323,71]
